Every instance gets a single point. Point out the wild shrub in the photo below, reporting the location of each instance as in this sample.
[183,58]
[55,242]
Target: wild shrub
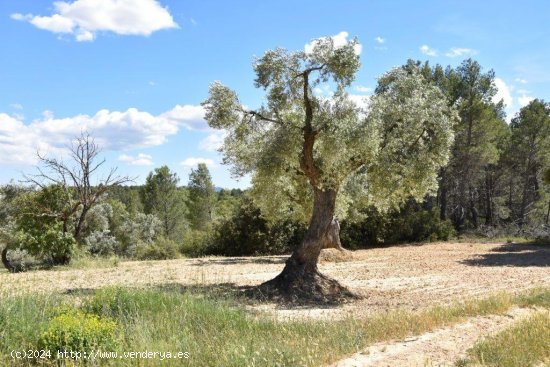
[38,228]
[196,243]
[21,260]
[413,222]
[101,243]
[248,233]
[161,249]
[77,331]
[141,229]
[111,302]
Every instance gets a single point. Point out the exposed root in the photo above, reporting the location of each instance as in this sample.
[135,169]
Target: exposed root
[296,286]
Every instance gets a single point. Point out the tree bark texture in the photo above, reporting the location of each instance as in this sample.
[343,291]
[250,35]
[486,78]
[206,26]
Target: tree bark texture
[442,195]
[300,280]
[489,189]
[5,260]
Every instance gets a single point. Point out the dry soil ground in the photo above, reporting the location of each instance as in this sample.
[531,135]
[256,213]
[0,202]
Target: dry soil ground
[409,277]
[442,347]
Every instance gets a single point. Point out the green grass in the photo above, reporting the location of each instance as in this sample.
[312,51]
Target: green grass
[526,343]
[468,238]
[535,297]
[217,331]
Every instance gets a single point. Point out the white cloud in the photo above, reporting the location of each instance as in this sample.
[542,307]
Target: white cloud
[18,16]
[85,36]
[16,106]
[361,101]
[457,52]
[521,81]
[340,39]
[85,18]
[363,89]
[140,160]
[524,99]
[15,143]
[503,93]
[192,162]
[190,116]
[380,40]
[323,90]
[426,50]
[56,23]
[113,130]
[213,142]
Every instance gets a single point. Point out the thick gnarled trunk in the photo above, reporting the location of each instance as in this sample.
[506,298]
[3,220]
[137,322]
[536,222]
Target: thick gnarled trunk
[300,280]
[317,235]
[6,261]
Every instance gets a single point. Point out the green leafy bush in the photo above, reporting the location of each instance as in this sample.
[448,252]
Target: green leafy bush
[161,249]
[196,243]
[74,330]
[284,236]
[247,233]
[414,222]
[47,241]
[38,228]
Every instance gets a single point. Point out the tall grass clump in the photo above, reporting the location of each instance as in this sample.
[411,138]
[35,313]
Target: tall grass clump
[218,331]
[526,343]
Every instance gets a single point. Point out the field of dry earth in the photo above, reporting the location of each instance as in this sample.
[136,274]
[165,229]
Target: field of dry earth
[409,276]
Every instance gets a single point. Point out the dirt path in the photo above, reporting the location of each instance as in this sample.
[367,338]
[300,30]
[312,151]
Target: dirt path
[442,347]
[410,277]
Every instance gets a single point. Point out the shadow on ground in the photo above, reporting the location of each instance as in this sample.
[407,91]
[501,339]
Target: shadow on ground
[514,254]
[242,294]
[240,260]
[231,292]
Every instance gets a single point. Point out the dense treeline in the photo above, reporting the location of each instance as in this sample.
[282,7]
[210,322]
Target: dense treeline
[495,174]
[496,183]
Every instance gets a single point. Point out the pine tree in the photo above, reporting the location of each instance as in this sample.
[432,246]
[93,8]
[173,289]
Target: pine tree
[202,197]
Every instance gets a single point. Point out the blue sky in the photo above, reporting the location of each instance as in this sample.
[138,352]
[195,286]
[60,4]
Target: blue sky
[134,72]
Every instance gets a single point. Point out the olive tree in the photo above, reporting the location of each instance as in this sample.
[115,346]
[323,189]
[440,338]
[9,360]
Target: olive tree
[318,156]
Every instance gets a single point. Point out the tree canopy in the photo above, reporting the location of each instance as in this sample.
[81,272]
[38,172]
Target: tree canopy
[202,197]
[305,151]
[161,196]
[298,141]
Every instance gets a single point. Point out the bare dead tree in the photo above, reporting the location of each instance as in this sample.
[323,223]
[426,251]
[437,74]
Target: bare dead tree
[77,179]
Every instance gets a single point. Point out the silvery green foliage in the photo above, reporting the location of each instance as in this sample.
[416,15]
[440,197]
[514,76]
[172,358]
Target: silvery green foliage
[380,155]
[415,132]
[98,217]
[21,260]
[101,243]
[143,229]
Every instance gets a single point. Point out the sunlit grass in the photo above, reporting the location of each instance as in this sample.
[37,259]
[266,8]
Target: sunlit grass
[217,331]
[526,343]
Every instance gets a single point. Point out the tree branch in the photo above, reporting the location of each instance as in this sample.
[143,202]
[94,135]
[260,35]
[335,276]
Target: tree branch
[307,163]
[260,116]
